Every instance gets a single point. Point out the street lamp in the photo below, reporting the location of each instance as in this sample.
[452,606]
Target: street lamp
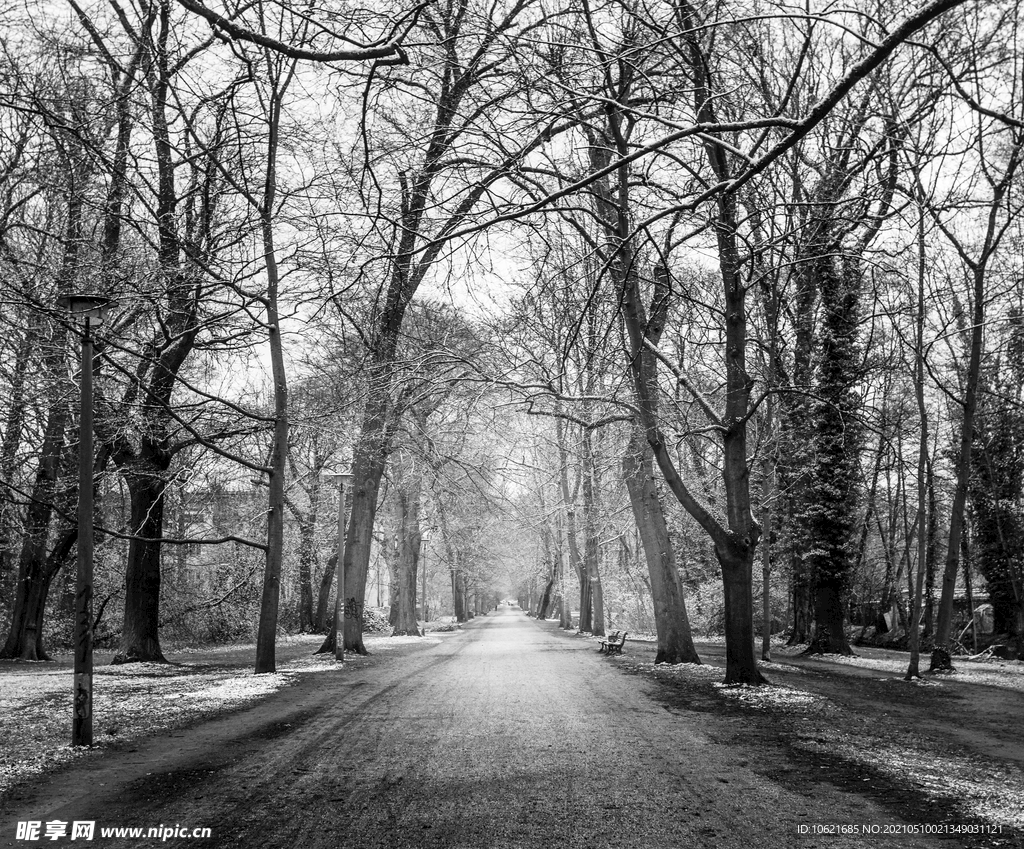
[87,312]
[341,478]
[424,539]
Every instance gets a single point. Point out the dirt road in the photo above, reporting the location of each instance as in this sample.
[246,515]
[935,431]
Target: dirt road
[508,734]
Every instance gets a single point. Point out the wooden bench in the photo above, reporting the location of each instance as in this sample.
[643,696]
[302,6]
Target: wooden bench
[613,643]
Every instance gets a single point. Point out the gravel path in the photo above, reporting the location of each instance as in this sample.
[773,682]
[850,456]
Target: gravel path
[508,734]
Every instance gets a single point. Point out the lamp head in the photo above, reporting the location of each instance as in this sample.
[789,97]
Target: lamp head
[342,478]
[93,308]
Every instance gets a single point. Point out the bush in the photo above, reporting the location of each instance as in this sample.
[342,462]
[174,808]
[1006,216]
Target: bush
[443,626]
[375,620]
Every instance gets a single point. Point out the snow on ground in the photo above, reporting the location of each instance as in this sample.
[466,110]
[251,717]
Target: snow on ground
[771,696]
[774,666]
[676,670]
[129,702]
[140,699]
[137,700]
[379,643]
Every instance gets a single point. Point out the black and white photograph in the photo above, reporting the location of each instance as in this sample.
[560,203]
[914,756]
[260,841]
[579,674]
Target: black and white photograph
[505,424]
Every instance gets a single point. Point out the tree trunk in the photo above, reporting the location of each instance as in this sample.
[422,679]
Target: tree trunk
[12,440]
[675,641]
[266,638]
[413,253]
[802,608]
[766,559]
[586,622]
[464,595]
[835,488]
[393,594]
[996,229]
[140,639]
[890,586]
[564,606]
[921,524]
[596,590]
[737,579]
[307,556]
[933,535]
[406,624]
[794,465]
[544,605]
[736,541]
[407,498]
[323,597]
[576,560]
[458,596]
[390,552]
[829,632]
[592,551]
[941,660]
[737,555]
[306,521]
[144,465]
[55,561]
[370,457]
[969,593]
[25,638]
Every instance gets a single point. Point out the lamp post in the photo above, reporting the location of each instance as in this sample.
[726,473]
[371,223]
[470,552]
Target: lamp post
[87,312]
[342,478]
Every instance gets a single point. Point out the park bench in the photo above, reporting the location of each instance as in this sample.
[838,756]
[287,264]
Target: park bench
[613,643]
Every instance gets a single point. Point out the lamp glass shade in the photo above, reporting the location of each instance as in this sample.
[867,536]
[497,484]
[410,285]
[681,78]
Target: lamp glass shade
[91,307]
[344,478]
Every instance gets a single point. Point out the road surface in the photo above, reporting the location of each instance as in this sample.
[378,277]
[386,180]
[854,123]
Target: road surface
[508,734]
